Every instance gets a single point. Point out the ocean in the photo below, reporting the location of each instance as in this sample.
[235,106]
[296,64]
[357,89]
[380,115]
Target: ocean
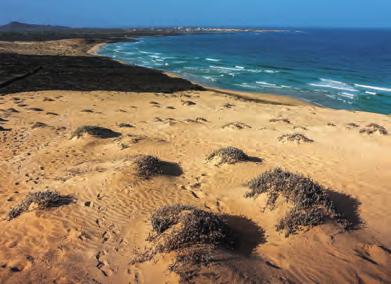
[342,69]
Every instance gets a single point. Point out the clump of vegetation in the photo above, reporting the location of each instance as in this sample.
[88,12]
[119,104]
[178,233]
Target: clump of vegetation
[296,219]
[352,125]
[285,120]
[197,120]
[42,199]
[374,128]
[148,166]
[228,105]
[311,204]
[39,125]
[193,234]
[96,131]
[295,137]
[180,226]
[36,109]
[228,155]
[236,125]
[189,261]
[87,110]
[11,110]
[125,125]
[188,103]
[201,119]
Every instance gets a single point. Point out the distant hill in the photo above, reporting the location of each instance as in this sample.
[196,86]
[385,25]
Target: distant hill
[22,27]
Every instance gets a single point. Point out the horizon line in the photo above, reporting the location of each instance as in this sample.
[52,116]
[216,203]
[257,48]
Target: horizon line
[240,26]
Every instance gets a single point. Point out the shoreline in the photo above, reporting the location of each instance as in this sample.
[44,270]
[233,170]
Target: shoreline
[256,97]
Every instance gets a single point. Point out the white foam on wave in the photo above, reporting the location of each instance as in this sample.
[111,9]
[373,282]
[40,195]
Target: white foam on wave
[209,78]
[254,71]
[225,68]
[271,71]
[246,85]
[270,85]
[373,88]
[333,84]
[371,93]
[213,59]
[347,95]
[148,52]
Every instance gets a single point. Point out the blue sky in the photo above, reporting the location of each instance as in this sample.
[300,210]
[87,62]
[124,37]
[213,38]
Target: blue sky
[106,13]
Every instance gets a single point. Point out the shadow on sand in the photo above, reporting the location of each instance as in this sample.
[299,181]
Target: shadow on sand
[348,206]
[249,234]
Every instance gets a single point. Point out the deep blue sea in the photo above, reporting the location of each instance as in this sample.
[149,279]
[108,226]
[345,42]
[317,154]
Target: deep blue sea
[343,69]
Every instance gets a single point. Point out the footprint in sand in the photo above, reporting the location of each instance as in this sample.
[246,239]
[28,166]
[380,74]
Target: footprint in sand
[375,254]
[102,263]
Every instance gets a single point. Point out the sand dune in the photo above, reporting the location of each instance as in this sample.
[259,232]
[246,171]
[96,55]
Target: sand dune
[94,239]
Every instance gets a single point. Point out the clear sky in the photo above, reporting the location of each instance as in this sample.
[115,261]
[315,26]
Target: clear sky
[124,13]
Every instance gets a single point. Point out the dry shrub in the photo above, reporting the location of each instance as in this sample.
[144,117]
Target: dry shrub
[188,103]
[39,125]
[295,137]
[197,120]
[374,128]
[87,110]
[150,166]
[207,246]
[352,125]
[228,105]
[125,125]
[43,200]
[189,262]
[237,125]
[36,109]
[193,234]
[311,204]
[96,131]
[285,120]
[181,226]
[228,155]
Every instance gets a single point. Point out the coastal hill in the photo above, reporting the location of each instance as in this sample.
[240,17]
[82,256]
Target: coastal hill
[17,31]
[23,27]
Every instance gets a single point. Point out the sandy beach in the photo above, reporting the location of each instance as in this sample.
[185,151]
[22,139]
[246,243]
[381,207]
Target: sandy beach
[102,234]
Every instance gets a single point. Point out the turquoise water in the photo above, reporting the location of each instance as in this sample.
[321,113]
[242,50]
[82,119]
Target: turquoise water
[343,69]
